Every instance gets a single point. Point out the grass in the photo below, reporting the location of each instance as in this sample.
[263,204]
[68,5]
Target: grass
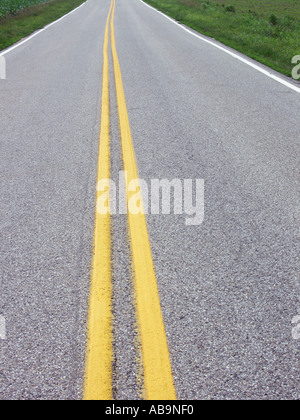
[19,18]
[11,7]
[266,30]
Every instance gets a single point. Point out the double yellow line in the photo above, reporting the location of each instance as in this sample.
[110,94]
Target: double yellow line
[158,378]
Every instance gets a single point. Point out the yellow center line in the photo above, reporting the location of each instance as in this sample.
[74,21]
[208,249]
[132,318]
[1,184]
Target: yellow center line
[158,378]
[98,376]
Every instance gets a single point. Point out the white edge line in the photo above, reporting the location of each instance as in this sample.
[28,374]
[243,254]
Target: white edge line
[8,50]
[238,57]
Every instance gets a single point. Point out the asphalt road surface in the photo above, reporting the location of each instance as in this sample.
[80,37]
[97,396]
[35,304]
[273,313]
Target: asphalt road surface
[228,288]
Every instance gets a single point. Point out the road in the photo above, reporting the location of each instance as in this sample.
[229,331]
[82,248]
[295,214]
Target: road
[228,288]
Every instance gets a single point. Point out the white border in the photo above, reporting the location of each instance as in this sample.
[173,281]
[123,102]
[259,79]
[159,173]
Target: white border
[229,52]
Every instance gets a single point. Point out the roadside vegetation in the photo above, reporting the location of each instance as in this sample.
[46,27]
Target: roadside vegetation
[266,30]
[11,7]
[19,18]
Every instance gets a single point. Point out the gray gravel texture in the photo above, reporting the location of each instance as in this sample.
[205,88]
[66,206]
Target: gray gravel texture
[229,288]
[49,125]
[127,369]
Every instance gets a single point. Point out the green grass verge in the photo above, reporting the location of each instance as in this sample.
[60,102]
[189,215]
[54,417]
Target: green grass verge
[265,30]
[11,7]
[23,23]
